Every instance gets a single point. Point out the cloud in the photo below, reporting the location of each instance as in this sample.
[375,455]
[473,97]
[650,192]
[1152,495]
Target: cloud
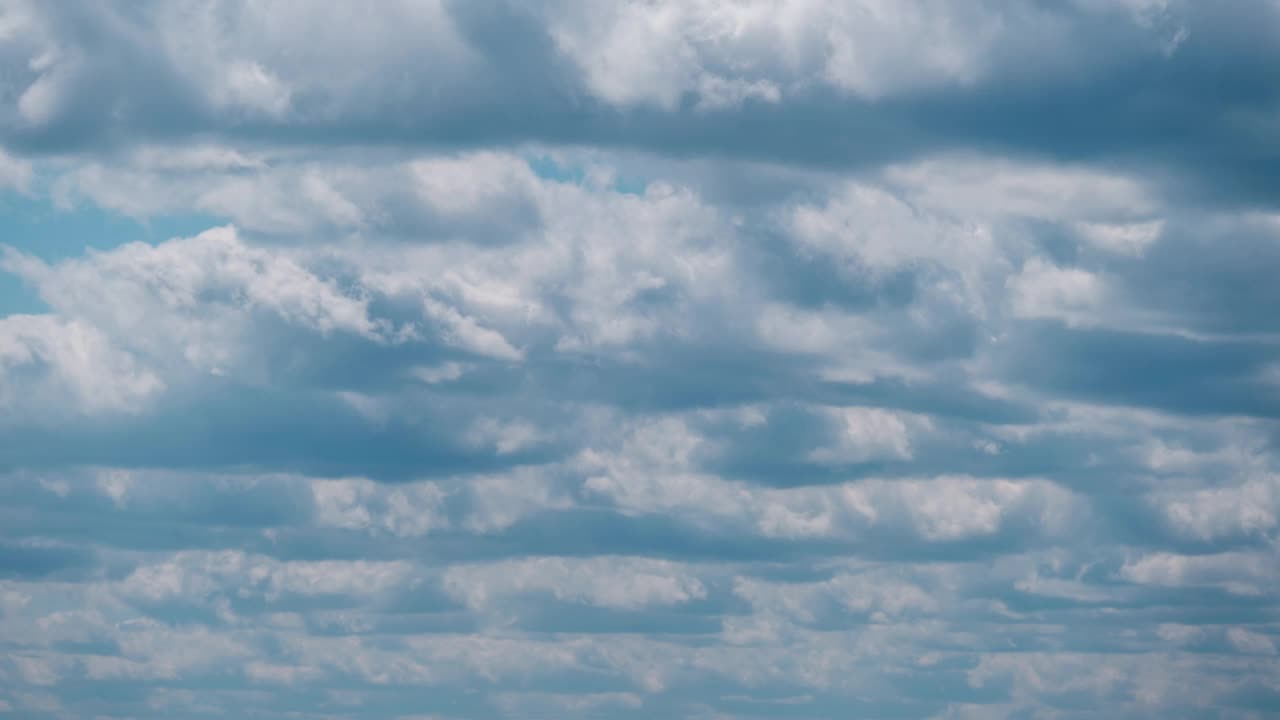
[182,276]
[15,173]
[1245,509]
[729,53]
[1042,290]
[765,358]
[50,365]
[667,76]
[604,582]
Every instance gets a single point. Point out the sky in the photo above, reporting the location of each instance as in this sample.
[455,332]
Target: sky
[596,359]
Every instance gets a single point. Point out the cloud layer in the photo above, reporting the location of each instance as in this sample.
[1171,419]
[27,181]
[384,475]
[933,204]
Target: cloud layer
[764,358]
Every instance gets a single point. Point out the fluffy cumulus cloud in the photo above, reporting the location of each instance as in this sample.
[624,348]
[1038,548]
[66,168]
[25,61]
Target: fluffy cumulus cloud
[639,358]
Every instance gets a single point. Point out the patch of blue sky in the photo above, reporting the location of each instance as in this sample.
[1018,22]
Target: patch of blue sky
[550,167]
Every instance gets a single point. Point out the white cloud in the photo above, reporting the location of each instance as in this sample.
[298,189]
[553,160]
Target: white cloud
[652,473]
[185,302]
[36,671]
[622,583]
[473,185]
[250,86]
[513,255]
[443,373]
[412,509]
[954,509]
[280,674]
[1249,642]
[15,173]
[251,59]
[116,484]
[1180,634]
[464,332]
[498,501]
[587,427]
[878,230]
[1035,674]
[555,703]
[197,576]
[870,433]
[1237,572]
[505,437]
[44,99]
[976,186]
[827,332]
[1044,290]
[727,52]
[877,593]
[1122,238]
[48,364]
[1250,508]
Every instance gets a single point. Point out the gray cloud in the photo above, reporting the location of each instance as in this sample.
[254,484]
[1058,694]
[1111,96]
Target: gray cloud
[1137,83]
[673,359]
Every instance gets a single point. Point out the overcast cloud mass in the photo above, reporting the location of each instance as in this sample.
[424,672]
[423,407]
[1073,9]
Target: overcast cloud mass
[640,359]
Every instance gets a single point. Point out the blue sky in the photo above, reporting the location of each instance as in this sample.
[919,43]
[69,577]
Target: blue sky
[581,359]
